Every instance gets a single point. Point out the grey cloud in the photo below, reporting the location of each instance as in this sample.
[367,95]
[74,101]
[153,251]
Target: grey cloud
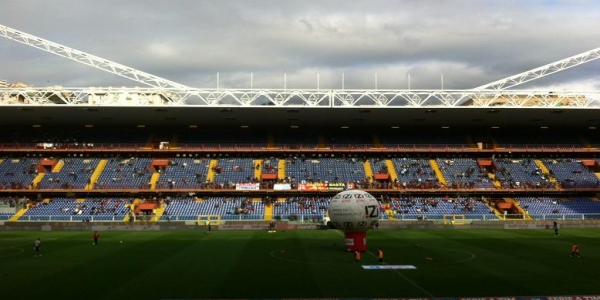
[470,42]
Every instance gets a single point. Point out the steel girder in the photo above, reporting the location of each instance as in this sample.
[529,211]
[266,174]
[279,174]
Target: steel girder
[294,98]
[88,59]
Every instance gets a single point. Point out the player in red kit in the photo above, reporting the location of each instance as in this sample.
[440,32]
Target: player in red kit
[575,250]
[96,237]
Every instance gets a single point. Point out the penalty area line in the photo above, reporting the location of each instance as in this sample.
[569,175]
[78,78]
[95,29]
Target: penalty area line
[407,279]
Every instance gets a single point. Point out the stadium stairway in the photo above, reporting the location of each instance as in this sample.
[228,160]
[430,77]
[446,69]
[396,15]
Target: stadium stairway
[597,174]
[391,170]
[59,165]
[545,171]
[368,170]
[20,213]
[158,212]
[210,176]
[492,177]
[390,213]
[96,174]
[519,208]
[80,200]
[281,169]
[258,171]
[153,180]
[438,172]
[269,211]
[131,208]
[496,211]
[38,178]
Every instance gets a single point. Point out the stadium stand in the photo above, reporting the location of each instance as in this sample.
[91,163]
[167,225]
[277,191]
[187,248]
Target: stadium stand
[212,172]
[68,209]
[560,208]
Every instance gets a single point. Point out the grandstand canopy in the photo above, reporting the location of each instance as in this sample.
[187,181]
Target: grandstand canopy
[285,116]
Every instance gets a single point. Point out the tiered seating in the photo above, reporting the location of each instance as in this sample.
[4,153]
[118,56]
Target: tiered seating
[235,208]
[184,173]
[125,173]
[323,169]
[463,173]
[555,208]
[520,173]
[270,165]
[571,173]
[585,206]
[74,174]
[17,173]
[5,216]
[301,208]
[67,209]
[415,173]
[436,207]
[229,208]
[234,170]
[182,209]
[546,208]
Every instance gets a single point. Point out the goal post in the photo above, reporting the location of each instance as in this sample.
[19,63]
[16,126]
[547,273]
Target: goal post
[454,220]
[213,219]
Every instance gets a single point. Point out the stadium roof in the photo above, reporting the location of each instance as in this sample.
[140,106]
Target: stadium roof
[301,117]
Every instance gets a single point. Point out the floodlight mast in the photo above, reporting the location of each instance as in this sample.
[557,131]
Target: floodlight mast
[90,60]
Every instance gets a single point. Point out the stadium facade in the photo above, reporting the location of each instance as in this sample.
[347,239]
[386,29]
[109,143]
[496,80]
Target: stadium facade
[488,148]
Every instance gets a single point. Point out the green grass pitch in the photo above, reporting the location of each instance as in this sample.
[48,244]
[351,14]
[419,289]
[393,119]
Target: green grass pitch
[297,264]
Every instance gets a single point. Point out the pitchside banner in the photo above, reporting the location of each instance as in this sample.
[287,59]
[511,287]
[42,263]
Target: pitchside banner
[336,186]
[247,186]
[312,187]
[282,186]
[320,186]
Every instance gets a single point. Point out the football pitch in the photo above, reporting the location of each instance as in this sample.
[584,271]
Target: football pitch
[297,264]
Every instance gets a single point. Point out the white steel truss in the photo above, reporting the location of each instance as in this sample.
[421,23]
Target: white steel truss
[295,98]
[166,92]
[542,71]
[88,59]
[536,73]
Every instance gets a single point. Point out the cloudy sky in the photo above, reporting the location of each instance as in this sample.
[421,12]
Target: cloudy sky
[470,42]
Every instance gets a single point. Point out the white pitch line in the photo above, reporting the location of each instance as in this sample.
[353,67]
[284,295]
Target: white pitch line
[11,254]
[407,279]
[402,275]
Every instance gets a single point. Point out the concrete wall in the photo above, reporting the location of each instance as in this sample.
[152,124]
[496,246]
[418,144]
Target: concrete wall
[264,225]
